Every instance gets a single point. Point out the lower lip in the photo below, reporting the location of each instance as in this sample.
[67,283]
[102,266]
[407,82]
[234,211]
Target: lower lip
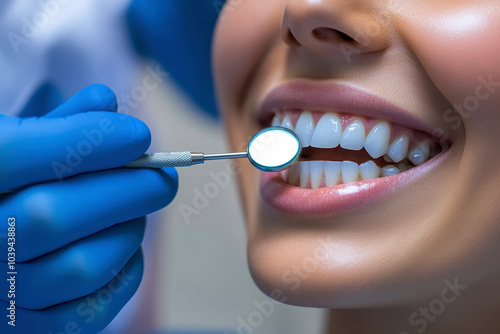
[339,199]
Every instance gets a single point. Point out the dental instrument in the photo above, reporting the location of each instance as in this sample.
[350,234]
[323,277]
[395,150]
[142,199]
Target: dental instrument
[271,149]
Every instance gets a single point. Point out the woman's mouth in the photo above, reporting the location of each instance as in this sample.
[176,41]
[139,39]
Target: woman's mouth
[343,148]
[349,159]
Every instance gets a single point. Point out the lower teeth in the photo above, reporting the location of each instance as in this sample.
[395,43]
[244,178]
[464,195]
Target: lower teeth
[317,174]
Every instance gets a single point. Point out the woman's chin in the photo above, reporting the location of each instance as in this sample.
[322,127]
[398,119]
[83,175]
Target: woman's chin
[321,273]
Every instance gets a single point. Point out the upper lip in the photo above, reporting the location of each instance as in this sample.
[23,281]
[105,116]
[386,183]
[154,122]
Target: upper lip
[337,97]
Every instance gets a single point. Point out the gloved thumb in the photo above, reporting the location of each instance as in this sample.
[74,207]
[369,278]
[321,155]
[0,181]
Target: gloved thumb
[95,97]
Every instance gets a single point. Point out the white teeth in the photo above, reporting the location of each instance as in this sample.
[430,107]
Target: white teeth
[316,169]
[353,137]
[327,132]
[276,121]
[304,173]
[420,153]
[305,128]
[377,141]
[287,123]
[389,170]
[311,174]
[350,171]
[332,171]
[294,174]
[369,170]
[399,148]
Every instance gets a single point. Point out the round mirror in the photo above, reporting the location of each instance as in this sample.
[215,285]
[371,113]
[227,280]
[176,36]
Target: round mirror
[273,149]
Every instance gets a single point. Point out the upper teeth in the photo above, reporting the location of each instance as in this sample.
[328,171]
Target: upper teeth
[305,128]
[353,137]
[328,133]
[399,148]
[377,141]
[287,123]
[420,153]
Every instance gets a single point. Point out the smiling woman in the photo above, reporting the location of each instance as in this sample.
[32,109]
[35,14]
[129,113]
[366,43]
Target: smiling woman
[394,199]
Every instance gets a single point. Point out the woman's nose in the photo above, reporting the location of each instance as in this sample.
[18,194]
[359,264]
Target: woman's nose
[335,26]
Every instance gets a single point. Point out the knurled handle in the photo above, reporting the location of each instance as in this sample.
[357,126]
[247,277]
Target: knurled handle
[159,160]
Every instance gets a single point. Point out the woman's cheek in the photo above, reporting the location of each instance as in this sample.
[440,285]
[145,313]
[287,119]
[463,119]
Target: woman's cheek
[460,51]
[245,31]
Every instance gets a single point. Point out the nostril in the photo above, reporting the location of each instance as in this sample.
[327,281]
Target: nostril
[290,38]
[345,37]
[328,34]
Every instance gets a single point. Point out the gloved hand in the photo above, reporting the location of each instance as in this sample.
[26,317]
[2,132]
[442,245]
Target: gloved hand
[79,223]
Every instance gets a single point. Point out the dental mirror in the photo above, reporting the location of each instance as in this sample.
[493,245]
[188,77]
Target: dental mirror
[270,150]
[274,149]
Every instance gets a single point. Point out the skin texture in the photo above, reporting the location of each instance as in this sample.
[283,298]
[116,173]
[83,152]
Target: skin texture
[381,267]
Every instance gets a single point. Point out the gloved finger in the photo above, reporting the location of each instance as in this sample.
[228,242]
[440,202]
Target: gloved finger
[38,149]
[76,270]
[91,98]
[86,315]
[51,215]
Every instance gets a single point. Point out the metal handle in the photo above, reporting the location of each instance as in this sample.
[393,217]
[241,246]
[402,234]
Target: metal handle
[179,159]
[159,160]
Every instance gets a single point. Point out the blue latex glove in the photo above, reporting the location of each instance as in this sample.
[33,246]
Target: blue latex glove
[178,34]
[78,256]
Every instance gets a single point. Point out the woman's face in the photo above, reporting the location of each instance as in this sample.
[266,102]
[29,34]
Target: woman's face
[414,87]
